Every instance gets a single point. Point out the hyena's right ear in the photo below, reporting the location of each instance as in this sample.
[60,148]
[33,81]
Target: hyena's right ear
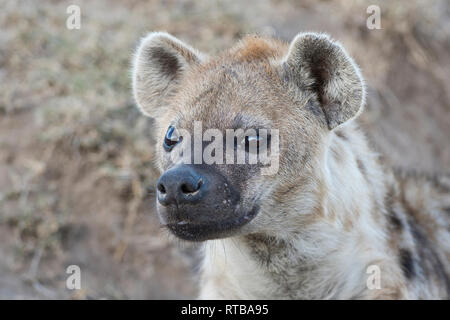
[160,62]
[318,64]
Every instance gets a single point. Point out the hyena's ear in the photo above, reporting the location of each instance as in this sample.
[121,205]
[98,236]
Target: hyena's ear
[317,63]
[160,62]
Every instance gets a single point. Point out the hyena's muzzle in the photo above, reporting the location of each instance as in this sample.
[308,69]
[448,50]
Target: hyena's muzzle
[196,202]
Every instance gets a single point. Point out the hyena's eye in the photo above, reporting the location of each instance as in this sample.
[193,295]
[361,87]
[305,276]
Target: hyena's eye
[253,144]
[172,138]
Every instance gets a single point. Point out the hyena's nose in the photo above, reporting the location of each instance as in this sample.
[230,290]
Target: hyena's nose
[181,185]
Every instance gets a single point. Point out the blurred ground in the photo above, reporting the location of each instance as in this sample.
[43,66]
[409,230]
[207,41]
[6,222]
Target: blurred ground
[76,156]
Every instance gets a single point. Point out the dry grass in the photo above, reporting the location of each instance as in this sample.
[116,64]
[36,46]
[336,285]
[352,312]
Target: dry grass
[76,156]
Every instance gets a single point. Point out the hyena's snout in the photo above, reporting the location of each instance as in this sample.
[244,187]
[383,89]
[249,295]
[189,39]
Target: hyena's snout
[182,186]
[196,202]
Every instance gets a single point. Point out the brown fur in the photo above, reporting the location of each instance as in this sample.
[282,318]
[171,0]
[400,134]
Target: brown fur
[254,48]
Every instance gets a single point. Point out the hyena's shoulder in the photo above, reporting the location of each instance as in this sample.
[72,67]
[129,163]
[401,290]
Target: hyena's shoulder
[418,207]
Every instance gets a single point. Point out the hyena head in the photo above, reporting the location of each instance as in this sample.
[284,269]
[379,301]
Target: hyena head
[299,91]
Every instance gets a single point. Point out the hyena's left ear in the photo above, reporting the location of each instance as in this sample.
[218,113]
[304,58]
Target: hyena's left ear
[317,63]
[160,62]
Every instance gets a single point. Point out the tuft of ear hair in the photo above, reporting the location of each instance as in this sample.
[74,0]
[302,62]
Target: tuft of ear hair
[160,62]
[315,62]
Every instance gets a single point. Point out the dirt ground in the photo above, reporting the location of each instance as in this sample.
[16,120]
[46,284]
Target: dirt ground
[76,173]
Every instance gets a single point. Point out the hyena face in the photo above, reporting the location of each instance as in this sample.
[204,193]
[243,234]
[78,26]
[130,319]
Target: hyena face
[295,94]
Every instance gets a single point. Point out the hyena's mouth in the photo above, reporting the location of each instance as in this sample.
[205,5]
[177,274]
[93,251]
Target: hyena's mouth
[197,202]
[202,231]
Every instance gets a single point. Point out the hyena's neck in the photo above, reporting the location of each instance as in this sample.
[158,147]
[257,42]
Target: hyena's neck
[348,240]
[333,249]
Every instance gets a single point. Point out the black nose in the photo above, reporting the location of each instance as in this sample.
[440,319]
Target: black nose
[181,185]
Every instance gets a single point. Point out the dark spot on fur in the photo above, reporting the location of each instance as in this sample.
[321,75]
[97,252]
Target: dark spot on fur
[430,261]
[315,109]
[341,135]
[407,263]
[271,252]
[394,220]
[265,247]
[167,62]
[361,167]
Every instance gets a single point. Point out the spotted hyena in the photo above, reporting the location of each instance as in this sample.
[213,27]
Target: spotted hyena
[330,217]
